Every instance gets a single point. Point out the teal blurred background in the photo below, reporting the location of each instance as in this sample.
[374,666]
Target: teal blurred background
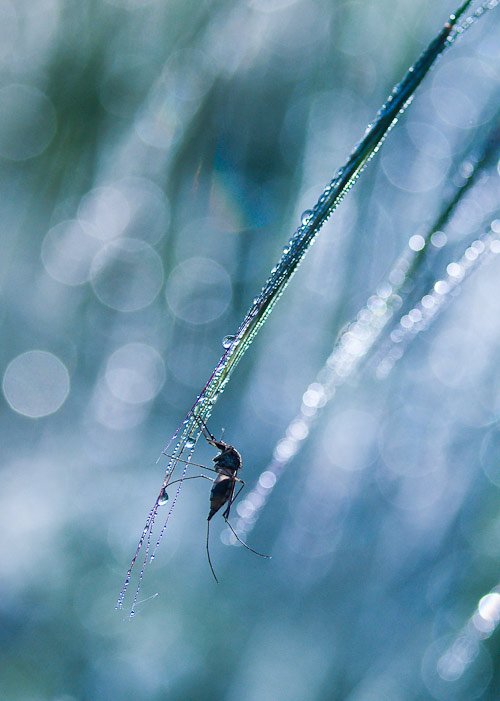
[155,156]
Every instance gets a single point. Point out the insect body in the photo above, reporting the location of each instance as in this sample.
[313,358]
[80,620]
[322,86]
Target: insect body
[227,464]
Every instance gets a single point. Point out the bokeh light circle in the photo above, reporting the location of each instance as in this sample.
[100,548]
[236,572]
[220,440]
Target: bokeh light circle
[114,413]
[28,122]
[458,89]
[36,383]
[456,668]
[198,290]
[68,251]
[104,212]
[127,275]
[149,209]
[421,175]
[161,128]
[135,373]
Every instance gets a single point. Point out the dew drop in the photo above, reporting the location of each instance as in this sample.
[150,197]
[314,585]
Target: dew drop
[306,216]
[227,341]
[163,498]
[190,442]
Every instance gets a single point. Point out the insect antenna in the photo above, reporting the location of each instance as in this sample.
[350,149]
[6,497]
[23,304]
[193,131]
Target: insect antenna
[189,462]
[208,553]
[268,557]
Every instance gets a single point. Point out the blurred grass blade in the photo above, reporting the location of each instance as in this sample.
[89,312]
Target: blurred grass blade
[357,340]
[346,356]
[440,294]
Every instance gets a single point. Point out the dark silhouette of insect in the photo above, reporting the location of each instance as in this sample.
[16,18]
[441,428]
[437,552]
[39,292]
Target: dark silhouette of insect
[227,464]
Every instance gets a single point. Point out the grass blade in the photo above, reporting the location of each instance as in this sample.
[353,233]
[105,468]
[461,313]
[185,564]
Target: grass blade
[312,220]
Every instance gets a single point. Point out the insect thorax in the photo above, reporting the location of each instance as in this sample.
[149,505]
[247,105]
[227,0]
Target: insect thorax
[228,459]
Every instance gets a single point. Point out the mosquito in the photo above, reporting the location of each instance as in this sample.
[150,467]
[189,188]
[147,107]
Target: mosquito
[227,464]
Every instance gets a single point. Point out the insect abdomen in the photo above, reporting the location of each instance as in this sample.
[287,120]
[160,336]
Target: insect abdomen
[219,495]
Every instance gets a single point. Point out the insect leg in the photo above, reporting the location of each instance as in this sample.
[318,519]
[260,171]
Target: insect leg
[268,557]
[225,516]
[188,462]
[208,553]
[194,477]
[233,498]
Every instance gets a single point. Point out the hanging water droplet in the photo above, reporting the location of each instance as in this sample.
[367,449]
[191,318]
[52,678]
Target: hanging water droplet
[227,341]
[306,216]
[190,442]
[163,498]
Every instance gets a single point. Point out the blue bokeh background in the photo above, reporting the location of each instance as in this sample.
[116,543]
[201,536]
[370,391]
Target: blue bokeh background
[155,157]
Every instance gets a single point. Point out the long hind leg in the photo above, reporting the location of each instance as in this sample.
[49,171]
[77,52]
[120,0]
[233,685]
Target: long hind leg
[225,516]
[268,557]
[233,498]
[208,552]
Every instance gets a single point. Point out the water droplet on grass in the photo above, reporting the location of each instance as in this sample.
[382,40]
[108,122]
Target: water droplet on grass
[306,216]
[163,498]
[227,341]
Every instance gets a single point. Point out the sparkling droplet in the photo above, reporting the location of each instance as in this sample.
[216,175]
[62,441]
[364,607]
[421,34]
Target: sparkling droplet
[163,498]
[306,216]
[227,341]
[190,442]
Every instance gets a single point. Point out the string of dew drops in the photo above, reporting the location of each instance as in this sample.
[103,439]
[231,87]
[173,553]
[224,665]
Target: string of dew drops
[353,345]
